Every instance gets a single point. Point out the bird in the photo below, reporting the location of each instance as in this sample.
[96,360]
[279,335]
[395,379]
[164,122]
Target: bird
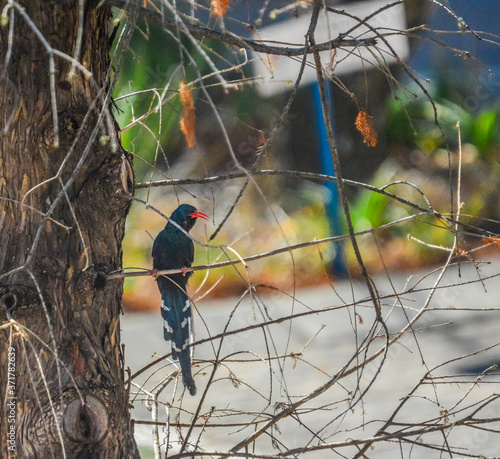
[174,249]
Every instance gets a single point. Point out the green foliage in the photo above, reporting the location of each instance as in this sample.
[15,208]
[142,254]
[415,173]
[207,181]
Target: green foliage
[428,126]
[420,129]
[150,64]
[413,123]
[154,62]
[485,133]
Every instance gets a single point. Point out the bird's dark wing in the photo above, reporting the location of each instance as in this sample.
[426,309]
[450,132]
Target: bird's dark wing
[156,245]
[189,257]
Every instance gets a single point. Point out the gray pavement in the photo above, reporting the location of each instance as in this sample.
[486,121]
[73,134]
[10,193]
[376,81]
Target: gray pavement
[462,320]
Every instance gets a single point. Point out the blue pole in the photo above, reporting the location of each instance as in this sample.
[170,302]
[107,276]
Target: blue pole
[332,209]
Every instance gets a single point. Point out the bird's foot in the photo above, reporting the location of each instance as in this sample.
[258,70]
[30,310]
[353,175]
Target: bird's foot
[184,270]
[154,273]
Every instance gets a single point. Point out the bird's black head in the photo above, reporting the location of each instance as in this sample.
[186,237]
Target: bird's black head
[185,216]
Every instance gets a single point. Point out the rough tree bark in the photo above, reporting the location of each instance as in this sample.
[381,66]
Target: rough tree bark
[61,367]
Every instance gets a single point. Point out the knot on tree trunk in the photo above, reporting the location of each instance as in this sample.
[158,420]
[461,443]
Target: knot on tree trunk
[16,298]
[86,420]
[93,278]
[9,303]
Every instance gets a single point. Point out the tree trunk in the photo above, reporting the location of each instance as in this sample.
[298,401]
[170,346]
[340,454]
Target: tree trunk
[62,389]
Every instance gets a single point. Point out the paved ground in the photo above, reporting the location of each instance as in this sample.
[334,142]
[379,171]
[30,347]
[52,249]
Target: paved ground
[464,320]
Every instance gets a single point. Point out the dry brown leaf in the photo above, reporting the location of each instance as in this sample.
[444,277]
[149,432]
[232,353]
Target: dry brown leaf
[188,119]
[365,126]
[219,7]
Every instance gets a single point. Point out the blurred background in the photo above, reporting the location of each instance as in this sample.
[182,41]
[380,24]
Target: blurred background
[443,61]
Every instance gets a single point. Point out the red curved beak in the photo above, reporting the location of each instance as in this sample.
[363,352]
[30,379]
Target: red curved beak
[199,215]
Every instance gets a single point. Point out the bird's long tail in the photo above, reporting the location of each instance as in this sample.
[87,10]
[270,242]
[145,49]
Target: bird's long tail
[176,314]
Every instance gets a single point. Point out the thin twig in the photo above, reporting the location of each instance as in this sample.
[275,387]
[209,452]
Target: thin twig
[245,260]
[251,45]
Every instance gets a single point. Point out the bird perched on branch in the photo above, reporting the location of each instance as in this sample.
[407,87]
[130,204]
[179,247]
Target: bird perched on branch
[174,249]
